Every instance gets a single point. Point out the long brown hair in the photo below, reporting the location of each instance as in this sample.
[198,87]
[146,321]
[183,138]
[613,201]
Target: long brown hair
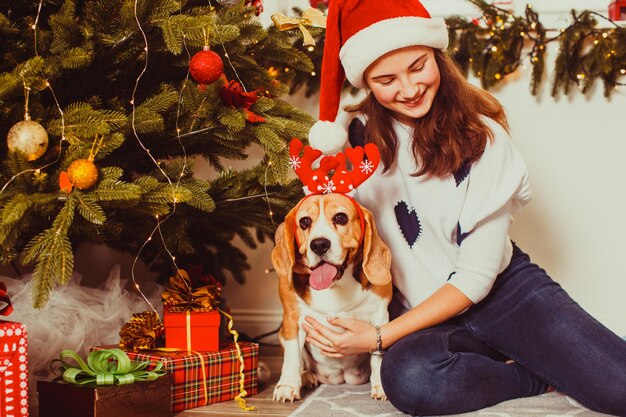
[450,135]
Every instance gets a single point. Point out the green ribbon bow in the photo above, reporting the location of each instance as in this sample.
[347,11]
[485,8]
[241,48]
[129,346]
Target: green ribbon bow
[107,367]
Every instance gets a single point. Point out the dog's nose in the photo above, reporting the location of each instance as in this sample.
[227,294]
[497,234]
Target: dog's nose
[320,245]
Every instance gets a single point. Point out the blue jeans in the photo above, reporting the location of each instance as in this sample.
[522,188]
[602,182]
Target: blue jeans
[461,365]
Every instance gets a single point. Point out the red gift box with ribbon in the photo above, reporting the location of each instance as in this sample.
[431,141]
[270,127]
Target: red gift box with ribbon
[203,378]
[192,331]
[13,363]
[190,313]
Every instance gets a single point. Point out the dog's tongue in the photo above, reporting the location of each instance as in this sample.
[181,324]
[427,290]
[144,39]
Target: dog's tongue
[322,276]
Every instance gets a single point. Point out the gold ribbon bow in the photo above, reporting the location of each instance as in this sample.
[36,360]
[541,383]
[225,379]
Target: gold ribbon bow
[180,296]
[310,17]
[142,331]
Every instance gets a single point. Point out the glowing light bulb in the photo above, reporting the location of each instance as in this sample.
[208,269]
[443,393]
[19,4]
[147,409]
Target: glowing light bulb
[311,48]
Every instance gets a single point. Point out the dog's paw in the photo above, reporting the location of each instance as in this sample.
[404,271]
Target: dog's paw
[378,393]
[309,379]
[284,393]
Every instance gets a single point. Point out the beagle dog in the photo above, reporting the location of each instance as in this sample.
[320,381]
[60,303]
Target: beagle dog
[330,262]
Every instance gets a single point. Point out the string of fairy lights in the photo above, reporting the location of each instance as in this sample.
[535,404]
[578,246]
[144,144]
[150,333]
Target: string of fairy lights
[161,220]
[158,219]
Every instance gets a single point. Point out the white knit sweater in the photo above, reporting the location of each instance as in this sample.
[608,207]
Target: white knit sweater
[422,218]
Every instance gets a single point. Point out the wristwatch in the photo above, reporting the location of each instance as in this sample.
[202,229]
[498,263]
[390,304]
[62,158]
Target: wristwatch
[379,342]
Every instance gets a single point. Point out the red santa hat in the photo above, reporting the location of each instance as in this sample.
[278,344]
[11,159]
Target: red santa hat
[358,32]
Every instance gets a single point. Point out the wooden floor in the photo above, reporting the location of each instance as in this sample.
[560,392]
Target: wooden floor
[265,406]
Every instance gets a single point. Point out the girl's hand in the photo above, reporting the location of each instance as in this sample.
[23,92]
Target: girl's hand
[358,336]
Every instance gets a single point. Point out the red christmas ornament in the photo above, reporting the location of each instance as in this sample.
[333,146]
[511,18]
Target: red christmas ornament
[256,3]
[234,95]
[316,3]
[206,66]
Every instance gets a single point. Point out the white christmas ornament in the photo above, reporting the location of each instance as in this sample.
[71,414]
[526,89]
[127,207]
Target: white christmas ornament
[28,138]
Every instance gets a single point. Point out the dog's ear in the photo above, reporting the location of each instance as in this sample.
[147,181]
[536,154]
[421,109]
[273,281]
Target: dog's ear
[376,254]
[284,253]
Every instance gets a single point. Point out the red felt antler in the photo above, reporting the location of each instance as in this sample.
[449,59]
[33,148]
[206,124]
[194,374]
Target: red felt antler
[320,181]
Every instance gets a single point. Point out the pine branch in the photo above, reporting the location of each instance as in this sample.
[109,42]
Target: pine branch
[89,209]
[52,252]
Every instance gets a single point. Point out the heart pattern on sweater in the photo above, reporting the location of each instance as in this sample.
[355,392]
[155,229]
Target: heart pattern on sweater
[462,173]
[408,221]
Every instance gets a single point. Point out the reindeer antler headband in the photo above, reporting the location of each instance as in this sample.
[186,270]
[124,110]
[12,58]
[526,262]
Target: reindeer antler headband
[332,175]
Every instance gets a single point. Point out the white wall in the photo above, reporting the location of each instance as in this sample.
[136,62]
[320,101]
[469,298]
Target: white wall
[575,149]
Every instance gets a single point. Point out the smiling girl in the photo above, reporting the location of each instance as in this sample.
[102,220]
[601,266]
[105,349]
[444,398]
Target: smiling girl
[474,321]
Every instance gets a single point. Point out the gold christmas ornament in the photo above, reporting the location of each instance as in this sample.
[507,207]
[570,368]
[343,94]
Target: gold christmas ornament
[28,138]
[83,174]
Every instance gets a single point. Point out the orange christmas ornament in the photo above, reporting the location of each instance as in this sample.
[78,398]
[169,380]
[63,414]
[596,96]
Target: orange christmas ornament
[83,173]
[65,184]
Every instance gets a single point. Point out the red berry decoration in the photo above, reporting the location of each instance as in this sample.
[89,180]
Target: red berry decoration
[206,66]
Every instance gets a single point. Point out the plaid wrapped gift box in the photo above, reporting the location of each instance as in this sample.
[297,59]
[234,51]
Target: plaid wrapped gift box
[13,370]
[221,370]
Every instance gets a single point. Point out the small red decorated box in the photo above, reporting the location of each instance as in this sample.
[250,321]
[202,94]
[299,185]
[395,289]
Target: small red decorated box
[13,370]
[192,331]
[202,378]
[617,10]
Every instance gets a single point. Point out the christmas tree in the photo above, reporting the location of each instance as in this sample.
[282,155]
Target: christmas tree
[106,105]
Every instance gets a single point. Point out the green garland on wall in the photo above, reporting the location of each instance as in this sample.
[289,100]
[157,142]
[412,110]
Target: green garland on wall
[498,42]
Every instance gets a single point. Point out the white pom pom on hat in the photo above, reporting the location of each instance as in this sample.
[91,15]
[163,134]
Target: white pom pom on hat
[358,32]
[328,137]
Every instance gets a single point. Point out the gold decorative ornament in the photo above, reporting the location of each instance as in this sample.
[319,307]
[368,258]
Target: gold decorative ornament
[83,173]
[141,331]
[310,17]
